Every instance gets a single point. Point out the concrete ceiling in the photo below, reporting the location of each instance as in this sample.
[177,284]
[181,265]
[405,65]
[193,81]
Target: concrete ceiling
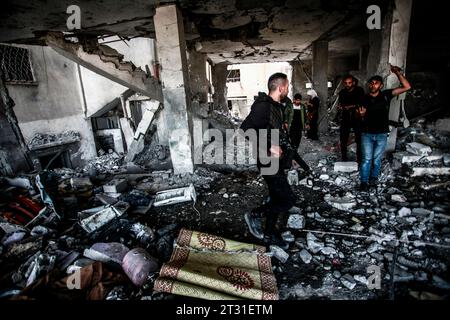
[233,31]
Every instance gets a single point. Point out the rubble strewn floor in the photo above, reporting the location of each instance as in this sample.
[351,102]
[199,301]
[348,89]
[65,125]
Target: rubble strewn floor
[401,227]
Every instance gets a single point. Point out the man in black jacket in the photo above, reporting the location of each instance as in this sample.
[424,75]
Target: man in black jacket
[267,113]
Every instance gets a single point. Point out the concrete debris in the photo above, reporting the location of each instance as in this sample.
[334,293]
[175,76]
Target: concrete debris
[44,140]
[115,186]
[279,253]
[398,198]
[418,172]
[296,221]
[344,203]
[404,212]
[305,256]
[175,196]
[418,149]
[314,245]
[93,219]
[293,178]
[348,281]
[346,167]
[288,236]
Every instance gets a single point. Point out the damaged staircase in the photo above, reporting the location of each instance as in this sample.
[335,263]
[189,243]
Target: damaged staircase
[107,62]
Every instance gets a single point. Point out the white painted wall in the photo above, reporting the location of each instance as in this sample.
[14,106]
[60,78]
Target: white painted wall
[54,105]
[254,78]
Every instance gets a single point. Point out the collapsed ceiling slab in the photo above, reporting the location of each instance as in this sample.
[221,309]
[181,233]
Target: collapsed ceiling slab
[231,31]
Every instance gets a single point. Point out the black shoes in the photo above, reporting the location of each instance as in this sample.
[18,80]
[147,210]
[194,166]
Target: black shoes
[364,187]
[254,224]
[373,182]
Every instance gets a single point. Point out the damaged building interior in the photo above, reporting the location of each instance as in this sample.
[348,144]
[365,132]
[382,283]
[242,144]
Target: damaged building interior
[118,182]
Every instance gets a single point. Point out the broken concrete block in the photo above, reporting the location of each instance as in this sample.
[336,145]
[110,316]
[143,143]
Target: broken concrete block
[115,186]
[279,253]
[345,167]
[296,221]
[293,178]
[305,256]
[107,252]
[288,236]
[313,243]
[361,279]
[138,265]
[324,177]
[417,172]
[175,196]
[348,281]
[403,212]
[328,251]
[446,159]
[341,203]
[93,219]
[398,198]
[80,183]
[418,149]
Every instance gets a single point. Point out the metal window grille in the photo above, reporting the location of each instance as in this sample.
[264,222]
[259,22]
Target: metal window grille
[234,75]
[15,64]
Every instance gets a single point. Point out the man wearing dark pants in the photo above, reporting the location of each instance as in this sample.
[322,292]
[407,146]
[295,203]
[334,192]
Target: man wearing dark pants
[267,114]
[349,99]
[375,115]
[297,124]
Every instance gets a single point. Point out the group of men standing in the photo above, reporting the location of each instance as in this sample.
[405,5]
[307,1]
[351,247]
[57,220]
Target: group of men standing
[366,114]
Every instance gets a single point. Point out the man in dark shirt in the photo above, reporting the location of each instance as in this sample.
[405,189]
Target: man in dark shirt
[375,115]
[267,113]
[350,99]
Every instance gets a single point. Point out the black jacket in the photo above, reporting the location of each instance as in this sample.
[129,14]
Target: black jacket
[268,114]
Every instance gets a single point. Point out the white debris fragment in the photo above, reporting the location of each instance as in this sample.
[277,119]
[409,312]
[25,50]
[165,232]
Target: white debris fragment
[279,253]
[418,149]
[417,172]
[348,281]
[398,198]
[341,203]
[288,236]
[296,221]
[324,177]
[293,178]
[305,256]
[345,167]
[404,212]
[313,243]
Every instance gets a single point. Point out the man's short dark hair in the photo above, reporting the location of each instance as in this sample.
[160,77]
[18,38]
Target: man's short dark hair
[276,80]
[349,76]
[376,78]
[297,96]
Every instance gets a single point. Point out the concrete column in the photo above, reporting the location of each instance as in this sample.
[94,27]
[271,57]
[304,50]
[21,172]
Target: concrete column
[171,46]
[398,49]
[320,80]
[219,80]
[197,73]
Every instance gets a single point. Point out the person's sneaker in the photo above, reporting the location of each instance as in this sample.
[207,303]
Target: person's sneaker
[254,225]
[276,241]
[364,187]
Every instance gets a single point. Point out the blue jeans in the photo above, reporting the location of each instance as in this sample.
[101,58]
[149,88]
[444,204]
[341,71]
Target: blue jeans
[373,146]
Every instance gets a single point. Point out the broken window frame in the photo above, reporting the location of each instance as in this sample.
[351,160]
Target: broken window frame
[234,75]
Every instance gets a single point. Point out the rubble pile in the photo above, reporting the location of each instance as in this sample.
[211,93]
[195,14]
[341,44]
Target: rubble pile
[42,139]
[119,220]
